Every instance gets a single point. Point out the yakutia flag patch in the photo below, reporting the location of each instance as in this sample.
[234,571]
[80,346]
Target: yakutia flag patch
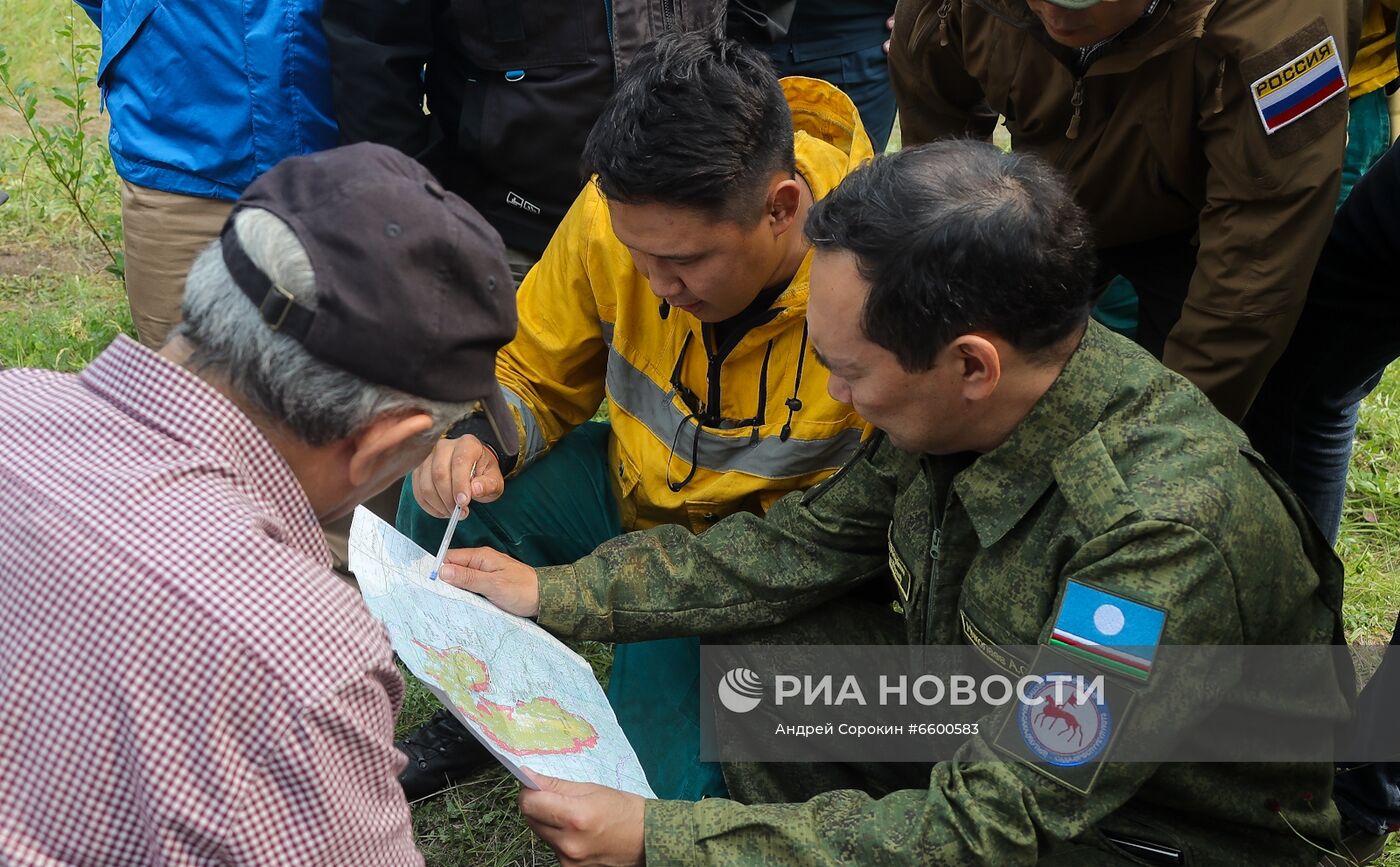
[1108,629]
[1299,86]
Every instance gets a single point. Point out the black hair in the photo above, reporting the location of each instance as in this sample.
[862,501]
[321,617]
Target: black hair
[957,236]
[697,121]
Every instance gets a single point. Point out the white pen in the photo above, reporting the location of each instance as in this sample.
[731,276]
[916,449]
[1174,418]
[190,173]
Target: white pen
[446,540]
[447,537]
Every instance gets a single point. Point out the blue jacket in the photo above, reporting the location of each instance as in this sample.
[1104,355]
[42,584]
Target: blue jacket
[206,96]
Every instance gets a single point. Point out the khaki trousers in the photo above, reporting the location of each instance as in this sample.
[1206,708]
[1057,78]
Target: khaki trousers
[164,233]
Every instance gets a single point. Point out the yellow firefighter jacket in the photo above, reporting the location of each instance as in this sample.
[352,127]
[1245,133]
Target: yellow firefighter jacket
[590,329]
[1375,65]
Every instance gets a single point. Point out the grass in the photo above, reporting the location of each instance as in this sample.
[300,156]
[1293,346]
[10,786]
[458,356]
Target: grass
[475,824]
[59,308]
[58,321]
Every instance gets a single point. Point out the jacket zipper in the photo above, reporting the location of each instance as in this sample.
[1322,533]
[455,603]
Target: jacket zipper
[716,356]
[1077,98]
[748,322]
[920,609]
[1076,101]
[713,362]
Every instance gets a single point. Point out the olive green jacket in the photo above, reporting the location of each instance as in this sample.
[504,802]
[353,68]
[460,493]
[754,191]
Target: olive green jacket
[1160,136]
[1123,477]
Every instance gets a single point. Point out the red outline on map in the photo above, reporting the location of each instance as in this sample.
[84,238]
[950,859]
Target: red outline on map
[486,704]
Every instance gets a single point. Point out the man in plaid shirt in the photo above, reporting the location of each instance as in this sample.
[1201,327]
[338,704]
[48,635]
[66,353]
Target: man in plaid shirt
[182,678]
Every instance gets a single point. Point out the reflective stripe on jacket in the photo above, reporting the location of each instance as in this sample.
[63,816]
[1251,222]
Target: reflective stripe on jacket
[591,328]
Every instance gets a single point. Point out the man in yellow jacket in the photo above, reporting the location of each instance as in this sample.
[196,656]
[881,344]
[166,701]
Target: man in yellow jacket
[674,293]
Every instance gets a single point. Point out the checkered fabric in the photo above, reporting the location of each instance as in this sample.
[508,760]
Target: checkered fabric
[182,678]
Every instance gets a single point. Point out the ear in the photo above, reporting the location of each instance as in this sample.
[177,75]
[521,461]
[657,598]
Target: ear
[979,366]
[382,442]
[784,202]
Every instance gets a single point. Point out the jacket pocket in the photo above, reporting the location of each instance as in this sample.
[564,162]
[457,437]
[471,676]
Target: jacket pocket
[507,35]
[701,515]
[1141,842]
[626,478]
[116,37]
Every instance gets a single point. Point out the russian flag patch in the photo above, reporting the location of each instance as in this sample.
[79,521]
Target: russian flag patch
[1299,86]
[1108,629]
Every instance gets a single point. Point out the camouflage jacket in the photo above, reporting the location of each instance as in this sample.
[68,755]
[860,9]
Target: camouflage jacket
[1122,477]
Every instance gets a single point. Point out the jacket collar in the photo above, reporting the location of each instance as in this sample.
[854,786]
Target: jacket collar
[822,113]
[1173,24]
[1001,486]
[829,142]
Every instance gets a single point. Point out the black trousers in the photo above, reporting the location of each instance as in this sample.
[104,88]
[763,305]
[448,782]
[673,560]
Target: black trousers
[1160,270]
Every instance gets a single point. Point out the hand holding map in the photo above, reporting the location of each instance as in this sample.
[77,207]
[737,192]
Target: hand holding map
[525,695]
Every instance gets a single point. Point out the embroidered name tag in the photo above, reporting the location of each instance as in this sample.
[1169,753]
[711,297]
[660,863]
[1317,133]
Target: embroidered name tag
[1299,86]
[989,648]
[1110,630]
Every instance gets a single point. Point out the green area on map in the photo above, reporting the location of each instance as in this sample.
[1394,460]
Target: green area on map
[539,726]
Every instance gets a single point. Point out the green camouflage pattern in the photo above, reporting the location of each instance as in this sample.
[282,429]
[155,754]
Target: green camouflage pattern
[1122,477]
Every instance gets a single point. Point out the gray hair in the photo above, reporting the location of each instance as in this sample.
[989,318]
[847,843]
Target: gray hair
[317,402]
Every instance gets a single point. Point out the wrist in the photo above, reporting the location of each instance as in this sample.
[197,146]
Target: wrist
[478,426]
[535,583]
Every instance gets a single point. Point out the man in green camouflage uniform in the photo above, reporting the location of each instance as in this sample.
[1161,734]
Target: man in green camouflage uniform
[1020,449]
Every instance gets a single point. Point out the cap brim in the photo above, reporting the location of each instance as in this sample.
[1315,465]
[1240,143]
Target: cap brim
[502,422]
[1078,4]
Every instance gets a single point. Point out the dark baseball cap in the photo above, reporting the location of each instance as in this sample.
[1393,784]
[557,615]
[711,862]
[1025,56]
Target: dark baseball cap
[412,286]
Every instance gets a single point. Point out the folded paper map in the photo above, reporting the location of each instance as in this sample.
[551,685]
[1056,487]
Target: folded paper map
[527,697]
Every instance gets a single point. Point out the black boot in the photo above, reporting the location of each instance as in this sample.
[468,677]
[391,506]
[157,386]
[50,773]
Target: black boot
[440,754]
